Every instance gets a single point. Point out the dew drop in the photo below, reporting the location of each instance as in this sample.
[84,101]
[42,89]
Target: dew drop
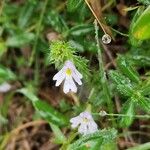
[106,39]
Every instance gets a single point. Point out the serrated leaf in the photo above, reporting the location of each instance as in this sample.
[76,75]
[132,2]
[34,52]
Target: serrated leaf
[140,29]
[145,87]
[122,83]
[94,141]
[54,19]
[127,69]
[144,103]
[140,60]
[72,5]
[128,110]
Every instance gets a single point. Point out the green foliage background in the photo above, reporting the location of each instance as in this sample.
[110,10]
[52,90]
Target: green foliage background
[38,35]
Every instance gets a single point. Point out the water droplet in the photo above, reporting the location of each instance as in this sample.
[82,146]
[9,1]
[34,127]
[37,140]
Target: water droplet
[102,113]
[106,39]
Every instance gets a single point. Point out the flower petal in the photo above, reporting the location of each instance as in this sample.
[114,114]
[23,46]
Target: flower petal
[83,129]
[75,121]
[78,73]
[69,85]
[69,64]
[87,115]
[76,78]
[60,80]
[58,74]
[92,127]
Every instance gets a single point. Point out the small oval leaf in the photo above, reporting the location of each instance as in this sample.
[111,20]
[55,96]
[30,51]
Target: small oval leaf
[128,110]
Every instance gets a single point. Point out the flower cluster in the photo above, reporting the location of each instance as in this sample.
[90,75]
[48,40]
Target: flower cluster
[68,74]
[85,123]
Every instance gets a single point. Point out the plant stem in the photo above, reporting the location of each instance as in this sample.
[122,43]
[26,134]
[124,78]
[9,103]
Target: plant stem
[123,115]
[2,3]
[118,32]
[102,72]
[34,53]
[145,146]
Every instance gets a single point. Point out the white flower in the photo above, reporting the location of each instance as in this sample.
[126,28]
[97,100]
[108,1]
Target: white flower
[85,123]
[68,74]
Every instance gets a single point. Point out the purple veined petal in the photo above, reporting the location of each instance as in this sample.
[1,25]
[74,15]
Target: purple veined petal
[69,85]
[58,74]
[83,129]
[76,78]
[75,121]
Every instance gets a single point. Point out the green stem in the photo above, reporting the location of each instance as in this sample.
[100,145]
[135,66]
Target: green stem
[102,72]
[2,3]
[145,146]
[123,34]
[34,53]
[123,115]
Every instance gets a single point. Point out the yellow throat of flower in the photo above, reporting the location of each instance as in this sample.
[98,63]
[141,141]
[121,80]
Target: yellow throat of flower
[85,120]
[68,71]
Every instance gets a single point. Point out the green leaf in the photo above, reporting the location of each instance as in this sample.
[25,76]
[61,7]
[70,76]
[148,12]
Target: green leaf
[19,40]
[146,2]
[6,74]
[94,141]
[133,40]
[29,94]
[140,60]
[111,19]
[59,136]
[144,103]
[54,19]
[44,109]
[49,113]
[3,120]
[128,110]
[140,29]
[127,69]
[111,144]
[72,5]
[122,83]
[3,48]
[145,87]
[81,29]
[25,14]
[145,146]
